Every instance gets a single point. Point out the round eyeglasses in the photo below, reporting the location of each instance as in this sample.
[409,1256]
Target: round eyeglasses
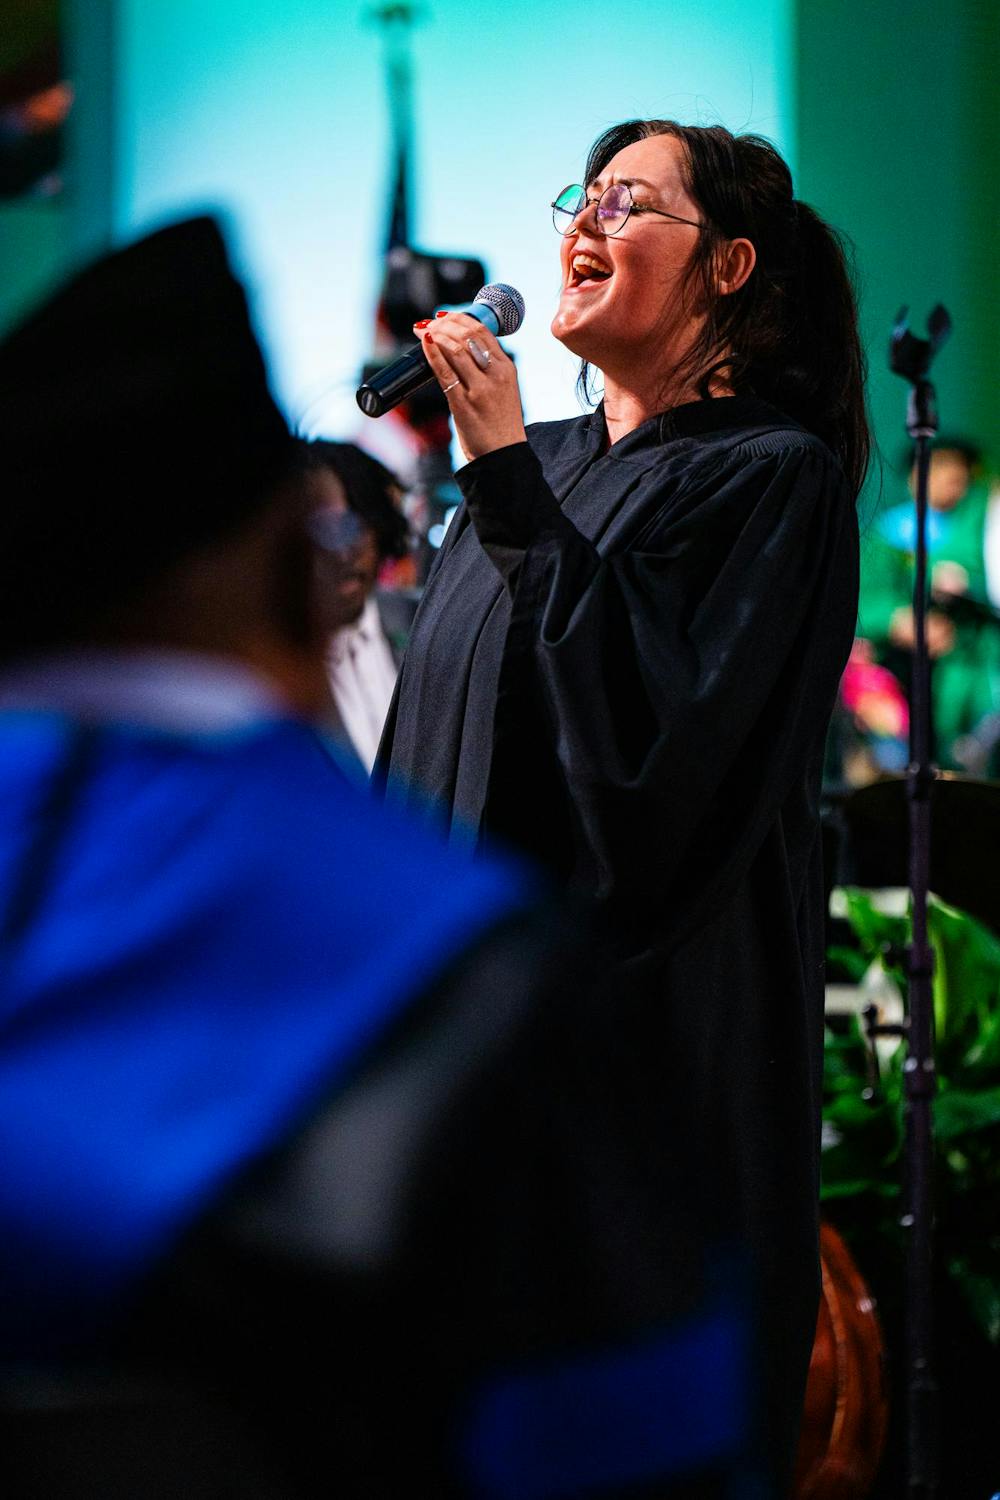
[339,532]
[613,208]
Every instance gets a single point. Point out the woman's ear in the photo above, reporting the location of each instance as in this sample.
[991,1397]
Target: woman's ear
[736,262]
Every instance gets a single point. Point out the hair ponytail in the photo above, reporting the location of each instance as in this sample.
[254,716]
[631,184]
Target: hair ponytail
[815,370]
[790,333]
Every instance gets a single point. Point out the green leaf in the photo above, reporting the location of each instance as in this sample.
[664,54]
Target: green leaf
[983,1055]
[982,1296]
[959,1111]
[849,960]
[849,1112]
[874,929]
[861,1165]
[966,978]
[853,1187]
[845,1068]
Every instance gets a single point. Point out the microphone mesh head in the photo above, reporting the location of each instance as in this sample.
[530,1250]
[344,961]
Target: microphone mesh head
[507,304]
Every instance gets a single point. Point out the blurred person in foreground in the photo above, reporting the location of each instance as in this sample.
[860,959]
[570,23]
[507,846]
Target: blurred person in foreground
[963,624]
[296,1199]
[361,527]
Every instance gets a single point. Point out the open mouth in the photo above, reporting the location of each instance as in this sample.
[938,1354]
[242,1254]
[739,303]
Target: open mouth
[587,269]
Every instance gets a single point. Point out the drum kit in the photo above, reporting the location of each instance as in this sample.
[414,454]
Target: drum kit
[965,841]
[846,1408]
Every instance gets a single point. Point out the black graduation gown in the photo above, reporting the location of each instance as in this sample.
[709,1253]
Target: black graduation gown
[625,661]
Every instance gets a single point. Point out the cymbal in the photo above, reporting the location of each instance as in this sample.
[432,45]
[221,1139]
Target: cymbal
[965,841]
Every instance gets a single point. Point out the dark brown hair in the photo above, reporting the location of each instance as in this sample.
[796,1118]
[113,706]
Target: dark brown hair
[790,334]
[369,488]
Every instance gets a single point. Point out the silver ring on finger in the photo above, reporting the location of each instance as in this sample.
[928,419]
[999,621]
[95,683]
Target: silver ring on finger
[446,388]
[482,356]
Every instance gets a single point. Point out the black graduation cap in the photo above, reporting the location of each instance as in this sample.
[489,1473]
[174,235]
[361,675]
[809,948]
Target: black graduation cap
[136,425]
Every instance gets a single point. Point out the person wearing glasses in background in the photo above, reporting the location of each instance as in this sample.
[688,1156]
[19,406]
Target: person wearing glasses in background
[360,526]
[626,657]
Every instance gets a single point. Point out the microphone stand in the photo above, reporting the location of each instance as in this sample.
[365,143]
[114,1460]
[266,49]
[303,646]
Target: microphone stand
[911,358]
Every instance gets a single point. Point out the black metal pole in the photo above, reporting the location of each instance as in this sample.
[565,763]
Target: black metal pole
[919,1074]
[911,358]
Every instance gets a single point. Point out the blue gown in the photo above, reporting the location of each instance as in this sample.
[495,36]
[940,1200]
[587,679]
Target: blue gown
[226,927]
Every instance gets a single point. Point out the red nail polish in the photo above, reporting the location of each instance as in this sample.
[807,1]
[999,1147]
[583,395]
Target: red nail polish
[423,323]
[428,339]
[440,315]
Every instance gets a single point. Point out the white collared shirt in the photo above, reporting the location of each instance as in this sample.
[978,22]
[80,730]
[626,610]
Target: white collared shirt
[362,676]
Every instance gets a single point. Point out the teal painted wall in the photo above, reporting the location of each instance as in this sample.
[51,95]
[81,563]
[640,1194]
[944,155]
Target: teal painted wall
[276,112]
[33,251]
[42,238]
[90,34]
[899,144]
[32,230]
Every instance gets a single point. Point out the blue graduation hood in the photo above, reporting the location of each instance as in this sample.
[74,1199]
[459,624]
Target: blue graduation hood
[228,926]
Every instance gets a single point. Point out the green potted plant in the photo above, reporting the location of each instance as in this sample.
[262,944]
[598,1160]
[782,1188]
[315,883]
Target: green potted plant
[863,1166]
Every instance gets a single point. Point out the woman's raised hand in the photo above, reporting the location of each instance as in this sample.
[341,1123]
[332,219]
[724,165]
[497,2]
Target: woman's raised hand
[478,379]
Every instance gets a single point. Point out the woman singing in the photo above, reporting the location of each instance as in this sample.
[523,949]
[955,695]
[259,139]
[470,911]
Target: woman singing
[627,654]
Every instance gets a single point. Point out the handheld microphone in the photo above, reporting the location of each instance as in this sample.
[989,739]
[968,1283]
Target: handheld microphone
[498,307]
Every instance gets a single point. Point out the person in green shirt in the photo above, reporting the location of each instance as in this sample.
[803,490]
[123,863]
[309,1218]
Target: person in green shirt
[963,629]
